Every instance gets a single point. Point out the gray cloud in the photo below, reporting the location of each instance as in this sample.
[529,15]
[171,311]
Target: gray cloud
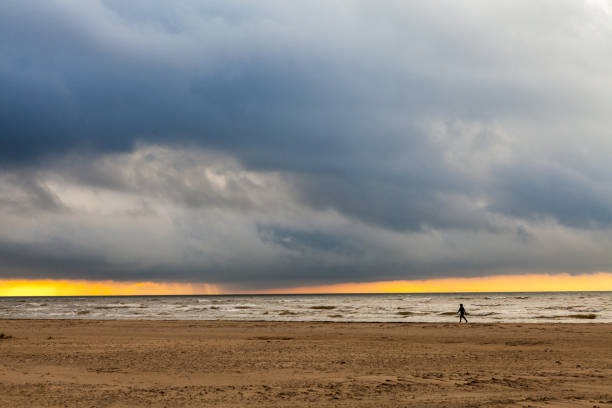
[305,241]
[24,193]
[533,190]
[320,123]
[121,219]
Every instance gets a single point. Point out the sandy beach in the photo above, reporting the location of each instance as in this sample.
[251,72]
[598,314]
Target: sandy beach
[72,363]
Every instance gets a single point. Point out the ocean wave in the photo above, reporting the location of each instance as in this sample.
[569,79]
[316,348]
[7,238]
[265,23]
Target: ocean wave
[196,309]
[374,308]
[121,306]
[483,314]
[582,316]
[572,316]
[561,307]
[405,313]
[37,304]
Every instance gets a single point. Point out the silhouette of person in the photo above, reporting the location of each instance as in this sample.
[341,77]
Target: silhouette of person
[461,312]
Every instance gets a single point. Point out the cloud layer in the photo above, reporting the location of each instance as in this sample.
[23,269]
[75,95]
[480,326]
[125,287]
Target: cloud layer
[262,144]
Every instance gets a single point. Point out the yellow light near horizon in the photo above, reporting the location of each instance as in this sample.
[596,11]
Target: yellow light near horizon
[100,288]
[502,283]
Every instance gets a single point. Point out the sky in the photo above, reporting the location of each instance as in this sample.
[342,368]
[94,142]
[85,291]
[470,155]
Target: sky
[270,145]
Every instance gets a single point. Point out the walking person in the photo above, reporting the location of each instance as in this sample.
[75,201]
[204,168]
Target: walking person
[461,312]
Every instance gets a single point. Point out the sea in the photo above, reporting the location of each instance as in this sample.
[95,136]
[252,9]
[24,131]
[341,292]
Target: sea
[543,307]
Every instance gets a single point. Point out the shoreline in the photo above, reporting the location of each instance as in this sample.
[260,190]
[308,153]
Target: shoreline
[579,321]
[116,363]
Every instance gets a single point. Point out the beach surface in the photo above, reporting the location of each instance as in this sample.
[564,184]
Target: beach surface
[90,363]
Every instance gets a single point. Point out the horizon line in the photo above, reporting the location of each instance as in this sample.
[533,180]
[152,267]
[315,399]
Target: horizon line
[318,294]
[525,283]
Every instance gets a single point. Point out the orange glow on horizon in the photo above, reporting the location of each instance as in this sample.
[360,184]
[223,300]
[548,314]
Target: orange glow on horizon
[601,281]
[101,288]
[503,283]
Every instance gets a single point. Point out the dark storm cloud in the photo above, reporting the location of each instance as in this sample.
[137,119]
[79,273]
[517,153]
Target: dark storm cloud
[402,118]
[300,265]
[533,191]
[304,241]
[68,86]
[45,259]
[398,203]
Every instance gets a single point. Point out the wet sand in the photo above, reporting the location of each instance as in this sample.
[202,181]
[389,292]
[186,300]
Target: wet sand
[84,363]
